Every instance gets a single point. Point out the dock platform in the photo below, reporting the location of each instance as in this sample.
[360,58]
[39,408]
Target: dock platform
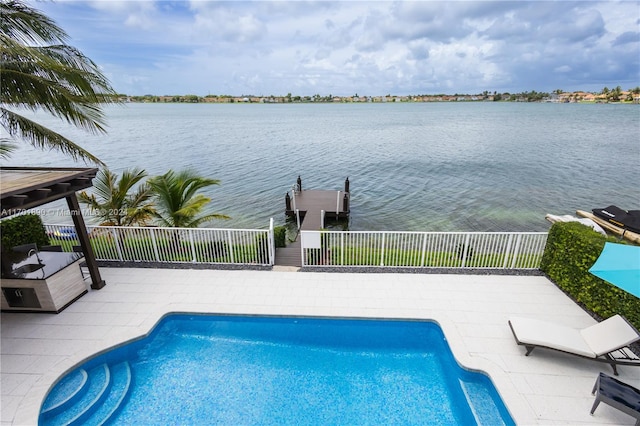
[311,203]
[312,206]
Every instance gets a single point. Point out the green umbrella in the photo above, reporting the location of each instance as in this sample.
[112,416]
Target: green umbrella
[619,264]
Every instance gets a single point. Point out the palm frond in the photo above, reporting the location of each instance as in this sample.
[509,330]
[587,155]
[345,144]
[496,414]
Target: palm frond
[6,148]
[177,201]
[57,79]
[40,71]
[113,200]
[28,25]
[41,137]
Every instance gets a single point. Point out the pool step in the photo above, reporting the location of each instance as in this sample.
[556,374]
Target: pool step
[97,400]
[121,382]
[71,388]
[481,404]
[467,394]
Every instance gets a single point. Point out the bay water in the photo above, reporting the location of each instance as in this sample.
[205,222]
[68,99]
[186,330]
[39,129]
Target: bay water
[412,166]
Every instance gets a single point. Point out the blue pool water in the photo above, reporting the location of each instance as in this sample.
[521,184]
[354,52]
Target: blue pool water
[203,369]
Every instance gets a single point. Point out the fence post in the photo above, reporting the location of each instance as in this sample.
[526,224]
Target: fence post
[382,250]
[155,245]
[507,251]
[230,243]
[271,243]
[298,218]
[342,249]
[321,219]
[424,249]
[193,247]
[465,249]
[516,249]
[117,241]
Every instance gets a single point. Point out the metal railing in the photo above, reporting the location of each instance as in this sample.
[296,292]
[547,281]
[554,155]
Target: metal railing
[467,250]
[172,245]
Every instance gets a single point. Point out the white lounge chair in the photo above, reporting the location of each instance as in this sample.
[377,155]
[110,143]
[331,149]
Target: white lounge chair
[606,341]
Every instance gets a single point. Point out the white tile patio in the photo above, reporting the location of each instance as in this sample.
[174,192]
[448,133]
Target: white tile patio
[545,388]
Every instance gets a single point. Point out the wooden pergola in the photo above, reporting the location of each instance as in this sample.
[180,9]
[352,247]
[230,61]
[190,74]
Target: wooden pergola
[24,188]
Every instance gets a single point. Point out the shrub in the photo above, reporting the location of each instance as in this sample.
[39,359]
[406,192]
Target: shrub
[571,250]
[280,236]
[23,229]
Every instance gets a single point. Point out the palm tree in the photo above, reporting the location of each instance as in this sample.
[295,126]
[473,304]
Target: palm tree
[115,204]
[177,202]
[40,72]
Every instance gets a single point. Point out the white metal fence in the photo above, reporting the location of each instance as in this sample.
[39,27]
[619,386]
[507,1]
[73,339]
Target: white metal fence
[469,250]
[499,250]
[172,245]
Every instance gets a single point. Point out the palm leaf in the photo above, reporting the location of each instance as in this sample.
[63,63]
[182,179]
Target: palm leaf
[41,137]
[57,79]
[113,200]
[177,201]
[41,72]
[6,148]
[27,25]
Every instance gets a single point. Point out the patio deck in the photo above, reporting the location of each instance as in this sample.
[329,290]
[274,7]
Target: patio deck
[545,388]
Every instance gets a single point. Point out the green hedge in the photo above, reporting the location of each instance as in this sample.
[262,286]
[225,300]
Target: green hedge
[23,229]
[571,250]
[280,236]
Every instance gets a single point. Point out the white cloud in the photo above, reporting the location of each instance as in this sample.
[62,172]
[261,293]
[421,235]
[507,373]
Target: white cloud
[563,69]
[370,46]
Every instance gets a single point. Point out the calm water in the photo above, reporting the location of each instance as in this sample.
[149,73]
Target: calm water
[413,167]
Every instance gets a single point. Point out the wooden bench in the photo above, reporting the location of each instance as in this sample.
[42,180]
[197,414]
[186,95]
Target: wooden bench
[617,394]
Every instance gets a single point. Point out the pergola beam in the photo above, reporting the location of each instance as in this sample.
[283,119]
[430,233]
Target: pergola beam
[81,231]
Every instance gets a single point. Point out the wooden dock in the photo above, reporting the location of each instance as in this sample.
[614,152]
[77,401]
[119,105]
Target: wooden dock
[289,255]
[310,204]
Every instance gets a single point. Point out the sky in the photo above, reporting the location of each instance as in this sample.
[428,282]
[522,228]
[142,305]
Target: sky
[344,48]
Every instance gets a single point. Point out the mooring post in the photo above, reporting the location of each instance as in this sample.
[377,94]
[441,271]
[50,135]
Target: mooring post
[345,203]
[299,181]
[346,185]
[287,202]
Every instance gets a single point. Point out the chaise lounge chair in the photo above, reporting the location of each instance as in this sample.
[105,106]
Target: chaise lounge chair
[606,341]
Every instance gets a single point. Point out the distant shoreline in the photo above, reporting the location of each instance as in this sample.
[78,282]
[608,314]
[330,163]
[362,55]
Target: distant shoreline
[616,96]
[161,100]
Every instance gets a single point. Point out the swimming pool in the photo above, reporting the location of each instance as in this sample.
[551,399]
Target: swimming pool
[213,369]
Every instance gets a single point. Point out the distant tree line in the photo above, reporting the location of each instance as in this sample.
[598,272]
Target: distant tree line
[606,94]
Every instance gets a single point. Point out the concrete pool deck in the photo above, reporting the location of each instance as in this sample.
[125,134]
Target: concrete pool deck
[545,388]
